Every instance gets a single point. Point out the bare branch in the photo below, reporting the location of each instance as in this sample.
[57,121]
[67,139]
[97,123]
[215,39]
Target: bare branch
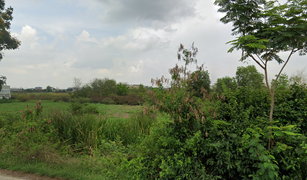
[291,53]
[257,61]
[260,59]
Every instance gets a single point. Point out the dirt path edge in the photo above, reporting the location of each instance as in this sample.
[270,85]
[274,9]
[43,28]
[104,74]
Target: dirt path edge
[18,175]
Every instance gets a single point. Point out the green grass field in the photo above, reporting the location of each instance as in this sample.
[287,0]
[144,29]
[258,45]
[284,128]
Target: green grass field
[86,146]
[121,111]
[16,107]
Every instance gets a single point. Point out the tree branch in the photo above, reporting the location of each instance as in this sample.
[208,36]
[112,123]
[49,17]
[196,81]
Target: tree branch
[266,77]
[260,59]
[292,52]
[256,61]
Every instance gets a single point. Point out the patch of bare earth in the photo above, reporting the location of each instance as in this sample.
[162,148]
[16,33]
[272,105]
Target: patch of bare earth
[26,176]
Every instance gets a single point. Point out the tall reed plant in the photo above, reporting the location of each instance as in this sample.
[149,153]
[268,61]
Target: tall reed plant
[84,133]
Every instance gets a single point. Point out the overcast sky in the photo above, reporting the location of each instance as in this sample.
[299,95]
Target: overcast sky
[130,41]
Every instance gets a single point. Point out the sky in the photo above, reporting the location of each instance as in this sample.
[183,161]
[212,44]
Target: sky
[130,41]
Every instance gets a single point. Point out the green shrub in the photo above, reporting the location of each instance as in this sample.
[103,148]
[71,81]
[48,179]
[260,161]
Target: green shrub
[130,99]
[56,99]
[291,107]
[228,143]
[107,101]
[43,96]
[23,97]
[91,109]
[4,100]
[76,108]
[80,100]
[248,110]
[65,98]
[27,136]
[227,136]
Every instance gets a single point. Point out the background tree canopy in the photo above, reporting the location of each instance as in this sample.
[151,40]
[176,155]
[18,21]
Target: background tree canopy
[200,82]
[7,42]
[267,28]
[249,76]
[2,81]
[225,82]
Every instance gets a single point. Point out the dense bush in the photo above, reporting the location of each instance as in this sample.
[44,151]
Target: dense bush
[28,135]
[80,106]
[4,100]
[291,107]
[80,100]
[224,136]
[107,101]
[245,106]
[23,97]
[130,99]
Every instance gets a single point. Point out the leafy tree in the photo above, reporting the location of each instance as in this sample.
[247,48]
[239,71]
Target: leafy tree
[141,89]
[265,29]
[7,42]
[243,14]
[122,89]
[282,82]
[97,85]
[225,82]
[103,87]
[200,82]
[49,89]
[109,87]
[84,92]
[2,81]
[249,75]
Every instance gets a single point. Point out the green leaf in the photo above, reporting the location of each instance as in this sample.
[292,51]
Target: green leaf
[291,133]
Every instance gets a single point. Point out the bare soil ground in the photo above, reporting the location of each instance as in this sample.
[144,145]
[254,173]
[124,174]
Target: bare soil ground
[18,175]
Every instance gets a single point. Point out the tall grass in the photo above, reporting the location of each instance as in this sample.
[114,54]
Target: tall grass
[23,97]
[84,133]
[56,137]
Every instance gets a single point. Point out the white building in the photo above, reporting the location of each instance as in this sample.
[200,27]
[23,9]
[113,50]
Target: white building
[5,92]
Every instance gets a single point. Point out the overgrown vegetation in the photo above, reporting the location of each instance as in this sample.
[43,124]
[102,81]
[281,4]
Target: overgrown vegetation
[186,129]
[180,134]
[62,135]
[225,134]
[24,97]
[106,91]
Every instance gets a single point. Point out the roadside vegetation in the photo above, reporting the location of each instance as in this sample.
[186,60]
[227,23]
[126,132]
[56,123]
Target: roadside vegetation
[185,130]
[242,127]
[60,139]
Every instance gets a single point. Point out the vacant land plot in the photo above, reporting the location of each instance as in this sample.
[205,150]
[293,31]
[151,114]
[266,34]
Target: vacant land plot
[122,111]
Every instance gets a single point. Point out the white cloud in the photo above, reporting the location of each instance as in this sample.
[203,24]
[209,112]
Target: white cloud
[137,68]
[28,36]
[85,36]
[136,41]
[70,61]
[145,41]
